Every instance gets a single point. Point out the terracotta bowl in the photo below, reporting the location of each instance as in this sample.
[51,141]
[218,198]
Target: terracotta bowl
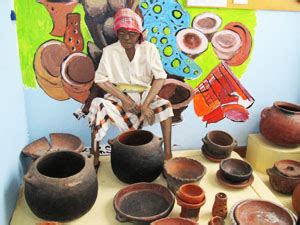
[191,193]
[181,170]
[174,221]
[143,203]
[257,211]
[189,205]
[235,170]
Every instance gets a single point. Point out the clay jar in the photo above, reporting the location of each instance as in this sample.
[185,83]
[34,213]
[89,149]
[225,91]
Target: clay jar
[280,124]
[137,156]
[61,185]
[219,144]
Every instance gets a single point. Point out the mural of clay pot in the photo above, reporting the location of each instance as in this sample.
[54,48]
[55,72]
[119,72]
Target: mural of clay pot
[284,176]
[280,124]
[73,37]
[95,8]
[58,11]
[192,42]
[179,94]
[136,156]
[47,65]
[61,185]
[78,73]
[207,23]
[226,43]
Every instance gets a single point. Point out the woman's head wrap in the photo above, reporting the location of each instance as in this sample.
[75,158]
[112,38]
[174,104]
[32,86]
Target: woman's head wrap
[128,19]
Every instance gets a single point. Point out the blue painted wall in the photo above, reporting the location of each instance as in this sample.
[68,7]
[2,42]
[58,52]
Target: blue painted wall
[273,74]
[13,131]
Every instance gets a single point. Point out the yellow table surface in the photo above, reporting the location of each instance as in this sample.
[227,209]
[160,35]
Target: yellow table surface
[102,213]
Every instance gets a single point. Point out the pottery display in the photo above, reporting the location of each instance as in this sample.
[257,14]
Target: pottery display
[58,141]
[284,176]
[143,203]
[280,124]
[61,185]
[219,144]
[181,170]
[190,193]
[256,211]
[296,201]
[137,156]
[174,221]
[190,211]
[220,205]
[235,170]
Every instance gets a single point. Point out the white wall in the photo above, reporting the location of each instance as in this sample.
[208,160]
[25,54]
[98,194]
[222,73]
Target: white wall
[13,132]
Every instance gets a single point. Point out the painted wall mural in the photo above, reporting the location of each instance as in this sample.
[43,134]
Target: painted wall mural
[204,51]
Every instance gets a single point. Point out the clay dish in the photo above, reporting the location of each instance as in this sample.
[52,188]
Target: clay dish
[181,170]
[143,203]
[191,193]
[227,183]
[209,156]
[290,168]
[251,212]
[235,170]
[66,141]
[37,148]
[174,221]
[189,205]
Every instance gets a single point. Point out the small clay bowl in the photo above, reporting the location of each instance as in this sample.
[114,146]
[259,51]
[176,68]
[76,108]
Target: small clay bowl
[191,193]
[143,203]
[189,205]
[235,170]
[174,221]
[181,170]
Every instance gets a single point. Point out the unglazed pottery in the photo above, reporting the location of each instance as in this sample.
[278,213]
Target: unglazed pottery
[191,193]
[181,170]
[296,201]
[61,185]
[220,205]
[290,168]
[227,183]
[137,156]
[174,221]
[235,170]
[190,211]
[216,220]
[143,203]
[280,124]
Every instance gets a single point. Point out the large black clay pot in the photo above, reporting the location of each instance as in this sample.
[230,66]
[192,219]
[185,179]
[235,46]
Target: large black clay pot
[280,124]
[61,185]
[136,156]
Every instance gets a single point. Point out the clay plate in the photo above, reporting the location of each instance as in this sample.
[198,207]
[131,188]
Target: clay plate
[251,212]
[227,183]
[174,221]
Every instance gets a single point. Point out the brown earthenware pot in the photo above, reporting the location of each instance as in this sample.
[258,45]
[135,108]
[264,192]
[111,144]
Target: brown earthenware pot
[296,201]
[280,124]
[61,185]
[137,156]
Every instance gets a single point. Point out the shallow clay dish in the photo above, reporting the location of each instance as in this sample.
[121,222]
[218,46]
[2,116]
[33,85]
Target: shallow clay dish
[235,170]
[181,170]
[227,183]
[143,203]
[174,221]
[252,212]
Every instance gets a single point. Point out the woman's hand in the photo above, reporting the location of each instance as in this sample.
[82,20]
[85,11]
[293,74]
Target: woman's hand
[130,106]
[148,114]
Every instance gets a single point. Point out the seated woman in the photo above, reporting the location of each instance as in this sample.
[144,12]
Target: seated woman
[131,72]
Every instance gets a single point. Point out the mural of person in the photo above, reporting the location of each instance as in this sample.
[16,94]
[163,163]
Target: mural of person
[132,84]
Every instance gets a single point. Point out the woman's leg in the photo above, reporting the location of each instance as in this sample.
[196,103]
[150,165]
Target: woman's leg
[166,127]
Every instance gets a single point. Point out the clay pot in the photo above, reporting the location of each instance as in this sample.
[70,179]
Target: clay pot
[216,220]
[190,193]
[280,124]
[219,144]
[143,203]
[296,200]
[220,205]
[137,156]
[235,170]
[174,221]
[61,186]
[190,211]
[284,176]
[181,170]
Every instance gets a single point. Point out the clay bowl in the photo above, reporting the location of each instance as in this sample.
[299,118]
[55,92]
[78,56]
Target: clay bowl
[189,205]
[219,144]
[174,221]
[181,170]
[281,182]
[143,203]
[235,170]
[37,148]
[290,168]
[66,141]
[191,193]
[251,212]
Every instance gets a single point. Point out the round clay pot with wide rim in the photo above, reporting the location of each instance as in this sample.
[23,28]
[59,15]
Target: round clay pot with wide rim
[137,156]
[61,185]
[191,193]
[280,124]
